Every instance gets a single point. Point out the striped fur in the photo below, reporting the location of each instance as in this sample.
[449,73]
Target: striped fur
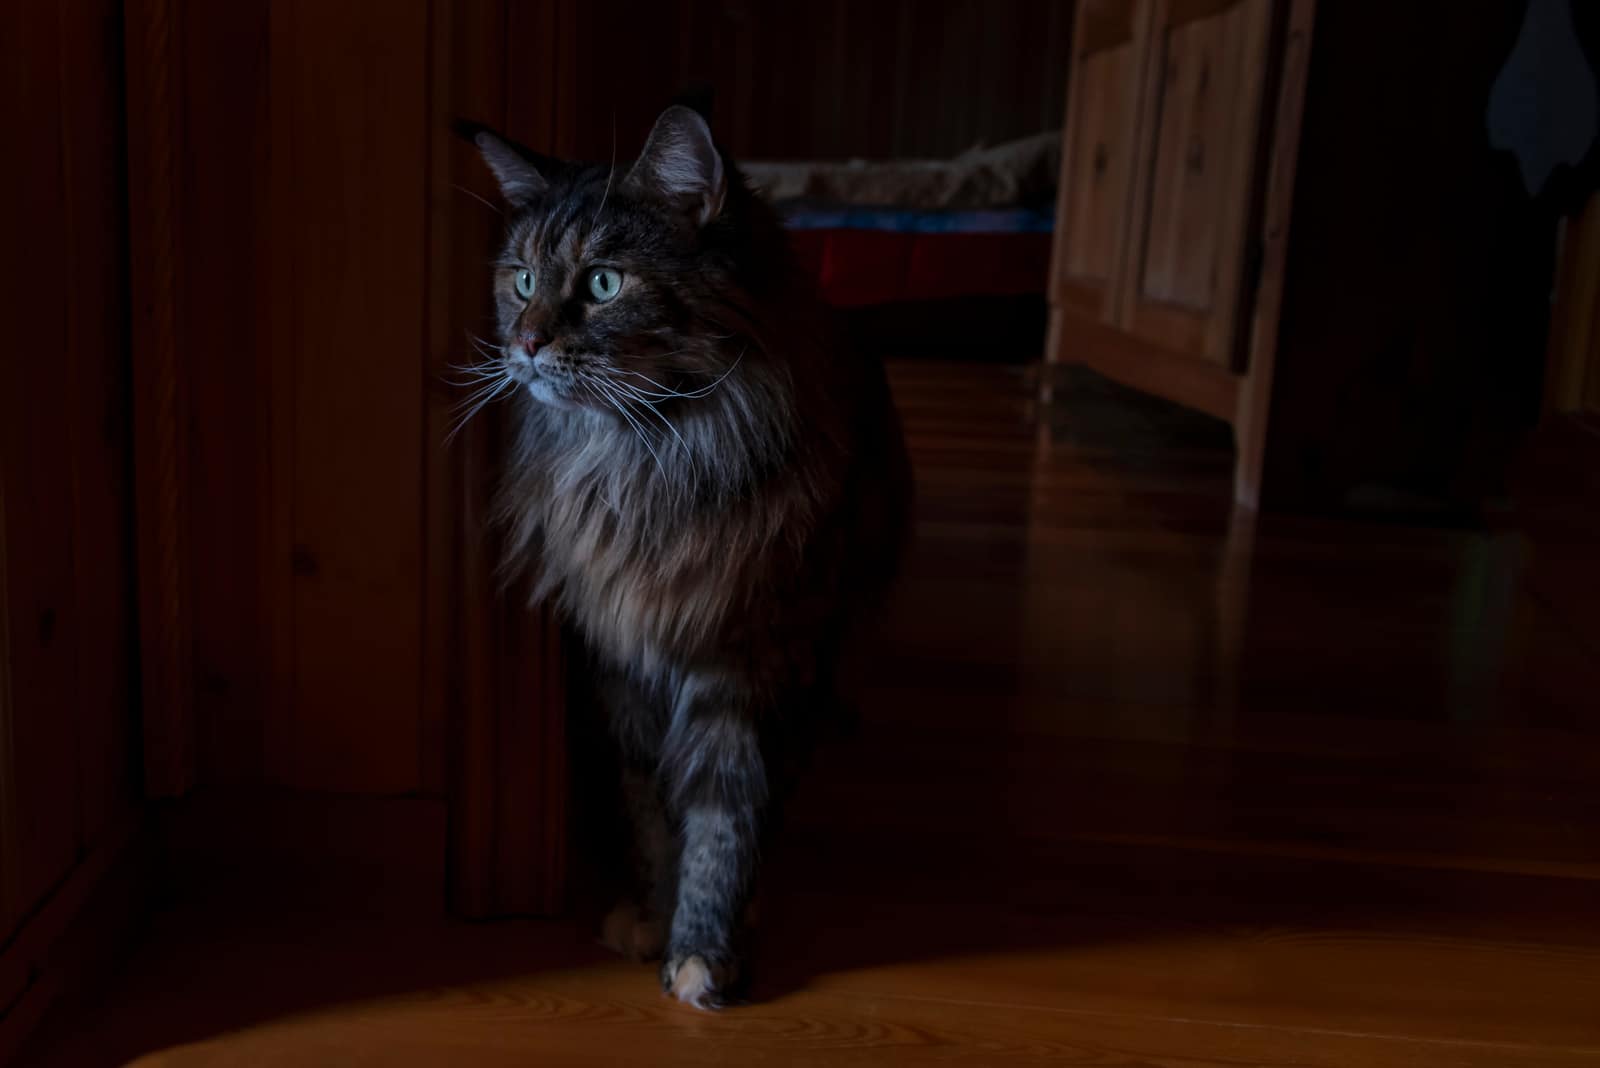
[709,487]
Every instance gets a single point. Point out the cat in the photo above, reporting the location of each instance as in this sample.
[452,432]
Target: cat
[708,486]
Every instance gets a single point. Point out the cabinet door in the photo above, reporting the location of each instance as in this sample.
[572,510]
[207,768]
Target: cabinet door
[1196,176]
[1098,156]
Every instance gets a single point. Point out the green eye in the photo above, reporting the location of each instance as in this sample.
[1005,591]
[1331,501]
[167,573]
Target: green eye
[604,283]
[525,283]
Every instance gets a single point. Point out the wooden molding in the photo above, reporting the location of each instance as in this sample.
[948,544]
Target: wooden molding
[160,397]
[1255,396]
[10,861]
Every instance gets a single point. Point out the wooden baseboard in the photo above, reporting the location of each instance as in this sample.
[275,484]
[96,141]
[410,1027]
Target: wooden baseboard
[71,941]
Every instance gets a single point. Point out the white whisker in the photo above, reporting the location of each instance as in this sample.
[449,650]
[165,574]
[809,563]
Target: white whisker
[630,392]
[476,401]
[611,398]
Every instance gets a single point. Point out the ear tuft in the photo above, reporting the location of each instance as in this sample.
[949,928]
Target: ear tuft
[514,168]
[681,165]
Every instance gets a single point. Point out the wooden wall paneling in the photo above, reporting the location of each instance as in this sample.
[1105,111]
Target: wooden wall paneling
[1194,184]
[161,415]
[35,450]
[1255,397]
[471,78]
[837,80]
[508,783]
[68,746]
[349,166]
[225,237]
[11,904]
[451,208]
[96,386]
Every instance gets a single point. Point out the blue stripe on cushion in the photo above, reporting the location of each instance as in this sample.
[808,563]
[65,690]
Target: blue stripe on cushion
[910,221]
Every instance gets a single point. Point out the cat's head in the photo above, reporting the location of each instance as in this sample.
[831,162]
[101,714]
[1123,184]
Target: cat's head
[617,285]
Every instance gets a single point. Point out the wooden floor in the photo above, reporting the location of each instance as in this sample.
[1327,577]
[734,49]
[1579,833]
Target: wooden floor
[1138,783]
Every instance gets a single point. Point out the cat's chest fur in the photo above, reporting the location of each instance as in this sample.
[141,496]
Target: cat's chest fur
[653,575]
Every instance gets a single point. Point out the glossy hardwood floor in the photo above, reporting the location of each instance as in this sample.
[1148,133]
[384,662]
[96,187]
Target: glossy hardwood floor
[1137,783]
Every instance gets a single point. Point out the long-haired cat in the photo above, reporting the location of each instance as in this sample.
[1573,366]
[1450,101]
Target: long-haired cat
[709,487]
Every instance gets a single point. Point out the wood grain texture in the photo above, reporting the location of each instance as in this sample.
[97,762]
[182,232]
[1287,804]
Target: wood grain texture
[1078,823]
[235,561]
[1277,213]
[350,175]
[832,80]
[41,582]
[1136,362]
[161,412]
[507,773]
[1185,316]
[65,456]
[1094,199]
[11,903]
[69,746]
[1197,175]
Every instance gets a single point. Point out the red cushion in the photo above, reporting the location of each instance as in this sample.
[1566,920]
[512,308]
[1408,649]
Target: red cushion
[860,267]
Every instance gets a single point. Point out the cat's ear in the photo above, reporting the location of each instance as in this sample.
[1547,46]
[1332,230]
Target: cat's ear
[681,165]
[517,171]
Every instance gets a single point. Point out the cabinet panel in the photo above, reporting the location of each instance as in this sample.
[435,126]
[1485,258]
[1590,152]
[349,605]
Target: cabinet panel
[1197,174]
[1098,156]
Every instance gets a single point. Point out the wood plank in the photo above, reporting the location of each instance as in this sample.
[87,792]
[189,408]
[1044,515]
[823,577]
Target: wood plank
[225,189]
[161,413]
[351,226]
[1197,173]
[1255,399]
[1095,196]
[36,457]
[97,381]
[11,904]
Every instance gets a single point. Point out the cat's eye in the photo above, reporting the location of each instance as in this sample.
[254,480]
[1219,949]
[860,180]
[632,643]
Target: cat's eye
[524,283]
[604,283]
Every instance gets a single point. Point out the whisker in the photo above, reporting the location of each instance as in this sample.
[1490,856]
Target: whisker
[629,391]
[478,400]
[702,391]
[463,189]
[633,422]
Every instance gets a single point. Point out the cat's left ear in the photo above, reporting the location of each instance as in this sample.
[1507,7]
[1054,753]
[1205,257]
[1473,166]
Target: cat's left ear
[681,165]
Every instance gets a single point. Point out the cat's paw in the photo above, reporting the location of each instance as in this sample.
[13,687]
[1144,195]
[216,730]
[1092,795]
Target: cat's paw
[701,980]
[628,931]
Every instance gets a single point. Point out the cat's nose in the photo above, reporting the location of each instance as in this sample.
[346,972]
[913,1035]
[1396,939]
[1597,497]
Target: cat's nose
[533,340]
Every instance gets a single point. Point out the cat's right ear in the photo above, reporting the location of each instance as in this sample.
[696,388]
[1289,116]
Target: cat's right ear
[517,170]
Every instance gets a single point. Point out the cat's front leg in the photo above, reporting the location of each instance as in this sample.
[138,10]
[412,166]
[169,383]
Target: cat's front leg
[713,767]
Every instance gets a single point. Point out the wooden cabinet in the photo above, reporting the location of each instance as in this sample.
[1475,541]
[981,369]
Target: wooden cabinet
[1097,168]
[1196,175]
[1178,114]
